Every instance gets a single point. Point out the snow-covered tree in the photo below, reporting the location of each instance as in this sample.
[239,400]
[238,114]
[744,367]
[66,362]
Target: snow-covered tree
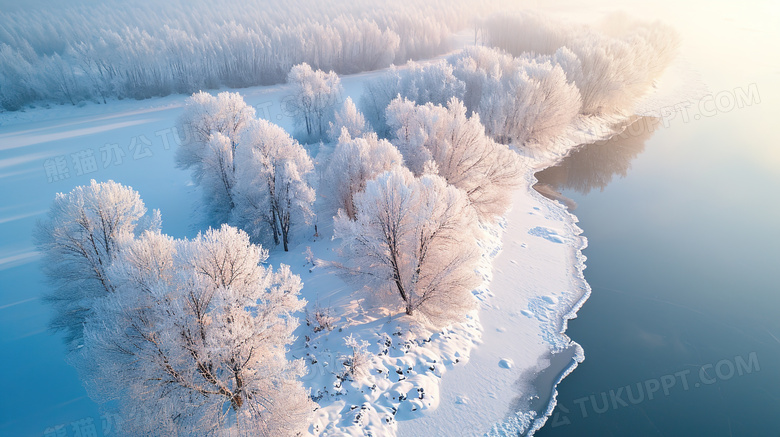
[67,85]
[193,342]
[413,238]
[540,104]
[80,239]
[463,154]
[18,82]
[272,192]
[212,126]
[253,173]
[218,176]
[347,117]
[618,60]
[314,99]
[353,162]
[203,115]
[421,83]
[525,100]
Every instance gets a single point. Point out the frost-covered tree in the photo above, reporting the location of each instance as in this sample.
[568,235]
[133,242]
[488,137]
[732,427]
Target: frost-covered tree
[19,81]
[66,84]
[618,60]
[79,240]
[525,100]
[272,192]
[413,238]
[203,115]
[314,99]
[347,117]
[359,361]
[421,83]
[539,105]
[254,175]
[218,178]
[212,126]
[193,342]
[353,162]
[461,151]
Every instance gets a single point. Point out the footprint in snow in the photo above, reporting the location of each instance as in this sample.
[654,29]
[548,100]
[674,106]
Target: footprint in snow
[462,400]
[547,234]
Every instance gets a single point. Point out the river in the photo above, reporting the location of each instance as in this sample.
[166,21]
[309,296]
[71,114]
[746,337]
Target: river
[681,332]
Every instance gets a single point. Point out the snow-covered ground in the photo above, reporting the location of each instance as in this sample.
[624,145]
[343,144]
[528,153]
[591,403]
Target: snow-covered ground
[470,379]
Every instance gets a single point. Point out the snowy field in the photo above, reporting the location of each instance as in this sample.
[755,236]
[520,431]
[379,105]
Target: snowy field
[132,142]
[475,377]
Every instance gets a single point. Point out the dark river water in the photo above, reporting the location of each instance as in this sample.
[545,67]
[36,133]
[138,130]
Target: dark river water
[681,332]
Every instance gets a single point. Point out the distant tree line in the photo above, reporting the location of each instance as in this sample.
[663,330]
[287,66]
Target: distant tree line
[95,51]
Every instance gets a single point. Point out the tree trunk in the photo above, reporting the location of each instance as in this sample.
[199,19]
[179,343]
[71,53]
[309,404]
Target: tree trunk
[276,234]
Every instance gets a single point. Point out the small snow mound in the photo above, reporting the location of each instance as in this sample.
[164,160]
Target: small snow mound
[506,363]
[462,400]
[550,299]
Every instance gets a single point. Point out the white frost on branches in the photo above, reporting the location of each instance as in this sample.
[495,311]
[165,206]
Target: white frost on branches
[421,83]
[272,193]
[443,140]
[82,235]
[212,126]
[193,341]
[353,162]
[204,115]
[413,239]
[253,174]
[314,99]
[618,60]
[523,101]
[348,117]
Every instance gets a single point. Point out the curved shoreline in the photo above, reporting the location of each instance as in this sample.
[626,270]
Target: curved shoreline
[579,352]
[580,288]
[584,134]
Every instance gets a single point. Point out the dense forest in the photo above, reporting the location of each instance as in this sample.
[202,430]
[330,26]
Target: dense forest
[69,53]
